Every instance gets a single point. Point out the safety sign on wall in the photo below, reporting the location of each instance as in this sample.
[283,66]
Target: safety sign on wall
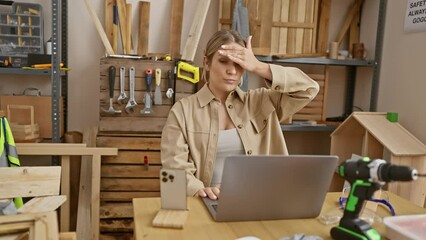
[415,17]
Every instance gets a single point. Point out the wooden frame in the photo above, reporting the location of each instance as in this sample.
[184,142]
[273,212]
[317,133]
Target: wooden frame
[38,226]
[283,28]
[90,222]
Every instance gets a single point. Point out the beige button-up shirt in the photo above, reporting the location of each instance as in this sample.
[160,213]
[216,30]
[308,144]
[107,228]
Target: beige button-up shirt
[189,138]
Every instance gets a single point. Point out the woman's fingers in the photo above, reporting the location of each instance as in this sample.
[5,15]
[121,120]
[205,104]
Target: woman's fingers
[212,193]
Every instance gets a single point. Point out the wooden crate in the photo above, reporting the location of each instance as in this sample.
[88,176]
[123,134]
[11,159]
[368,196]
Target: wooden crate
[136,122]
[316,109]
[124,177]
[286,28]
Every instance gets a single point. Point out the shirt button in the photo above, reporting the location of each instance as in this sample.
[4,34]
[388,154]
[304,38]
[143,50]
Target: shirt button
[249,152]
[230,106]
[277,87]
[264,122]
[240,126]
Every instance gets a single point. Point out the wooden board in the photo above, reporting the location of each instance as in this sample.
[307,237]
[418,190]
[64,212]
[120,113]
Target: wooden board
[191,45]
[99,27]
[108,22]
[176,28]
[143,39]
[170,218]
[323,26]
[121,5]
[278,27]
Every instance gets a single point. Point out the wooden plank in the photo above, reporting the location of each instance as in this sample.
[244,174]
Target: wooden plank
[275,40]
[348,20]
[131,171]
[308,33]
[143,39]
[266,25]
[108,20]
[65,190]
[126,196]
[324,103]
[252,7]
[300,18]
[195,31]
[139,124]
[29,181]
[129,47]
[131,143]
[95,200]
[42,204]
[133,157]
[141,184]
[323,26]
[314,31]
[84,218]
[291,35]
[176,28]
[284,30]
[121,5]
[98,26]
[116,225]
[354,30]
[116,210]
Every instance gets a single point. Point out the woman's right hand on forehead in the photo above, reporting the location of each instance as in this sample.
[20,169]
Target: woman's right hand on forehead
[243,56]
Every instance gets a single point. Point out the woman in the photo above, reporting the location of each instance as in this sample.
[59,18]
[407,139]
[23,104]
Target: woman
[221,119]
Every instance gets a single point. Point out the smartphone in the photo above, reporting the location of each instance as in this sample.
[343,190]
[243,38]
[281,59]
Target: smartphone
[173,189]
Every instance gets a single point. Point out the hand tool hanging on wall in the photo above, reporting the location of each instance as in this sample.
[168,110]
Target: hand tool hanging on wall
[111,81]
[122,97]
[131,104]
[170,91]
[157,94]
[148,94]
[188,68]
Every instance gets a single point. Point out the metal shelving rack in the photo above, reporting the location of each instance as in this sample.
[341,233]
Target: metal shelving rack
[59,83]
[351,65]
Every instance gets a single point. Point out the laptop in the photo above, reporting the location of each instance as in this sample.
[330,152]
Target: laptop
[272,187]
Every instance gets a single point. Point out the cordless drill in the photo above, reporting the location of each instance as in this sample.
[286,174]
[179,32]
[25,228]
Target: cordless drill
[365,176]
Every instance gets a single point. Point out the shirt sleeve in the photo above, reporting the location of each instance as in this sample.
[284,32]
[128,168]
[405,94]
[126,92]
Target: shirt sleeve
[290,90]
[175,150]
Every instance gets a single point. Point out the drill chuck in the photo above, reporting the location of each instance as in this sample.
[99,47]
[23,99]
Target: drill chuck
[388,172]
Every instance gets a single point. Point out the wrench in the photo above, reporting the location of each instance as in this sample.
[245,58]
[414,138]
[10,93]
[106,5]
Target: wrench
[123,97]
[131,104]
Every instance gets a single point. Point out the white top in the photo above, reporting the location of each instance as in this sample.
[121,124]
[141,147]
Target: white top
[229,143]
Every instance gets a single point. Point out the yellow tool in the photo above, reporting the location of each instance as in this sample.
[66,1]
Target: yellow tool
[46,65]
[186,67]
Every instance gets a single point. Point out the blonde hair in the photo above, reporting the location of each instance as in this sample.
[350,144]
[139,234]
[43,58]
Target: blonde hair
[218,39]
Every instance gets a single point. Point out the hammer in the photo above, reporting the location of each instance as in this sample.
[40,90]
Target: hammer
[111,78]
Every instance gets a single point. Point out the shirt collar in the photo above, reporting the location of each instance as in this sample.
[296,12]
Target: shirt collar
[205,96]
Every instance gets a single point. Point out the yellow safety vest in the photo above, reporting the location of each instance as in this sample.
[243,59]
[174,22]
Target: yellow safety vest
[8,153]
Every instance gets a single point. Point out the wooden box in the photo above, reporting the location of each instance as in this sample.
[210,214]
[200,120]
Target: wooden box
[23,132]
[285,27]
[126,176]
[42,112]
[136,122]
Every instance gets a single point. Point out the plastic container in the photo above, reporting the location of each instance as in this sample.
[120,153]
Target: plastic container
[407,227]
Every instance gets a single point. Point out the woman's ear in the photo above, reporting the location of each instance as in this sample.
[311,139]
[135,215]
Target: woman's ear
[206,63]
